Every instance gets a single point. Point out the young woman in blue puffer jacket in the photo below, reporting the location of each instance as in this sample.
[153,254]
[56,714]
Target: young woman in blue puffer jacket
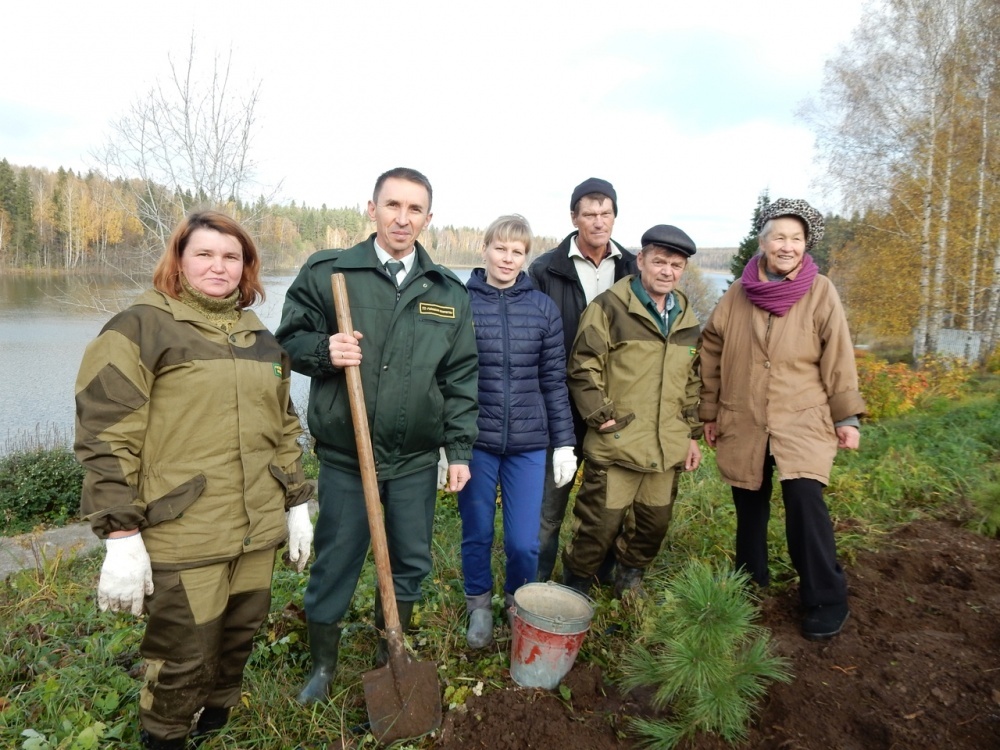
[523,410]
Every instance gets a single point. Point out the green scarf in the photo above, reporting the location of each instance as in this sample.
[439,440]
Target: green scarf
[220,311]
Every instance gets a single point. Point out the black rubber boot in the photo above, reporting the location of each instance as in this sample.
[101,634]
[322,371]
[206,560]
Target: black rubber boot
[627,579]
[154,743]
[212,719]
[405,615]
[324,647]
[583,584]
[606,573]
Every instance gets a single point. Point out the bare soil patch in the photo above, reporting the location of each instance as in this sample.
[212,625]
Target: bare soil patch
[917,666]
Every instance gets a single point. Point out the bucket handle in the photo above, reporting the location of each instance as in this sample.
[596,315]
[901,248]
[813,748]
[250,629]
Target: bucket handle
[558,619]
[590,600]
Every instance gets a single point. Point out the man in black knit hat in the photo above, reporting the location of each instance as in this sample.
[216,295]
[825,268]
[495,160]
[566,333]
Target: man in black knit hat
[584,264]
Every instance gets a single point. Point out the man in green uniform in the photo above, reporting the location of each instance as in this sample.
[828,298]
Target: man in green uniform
[417,352]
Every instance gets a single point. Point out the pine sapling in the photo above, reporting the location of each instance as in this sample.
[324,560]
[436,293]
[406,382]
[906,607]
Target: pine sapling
[707,661]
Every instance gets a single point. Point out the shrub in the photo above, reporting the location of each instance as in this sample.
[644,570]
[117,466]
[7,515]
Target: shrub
[893,389]
[993,362]
[39,486]
[888,389]
[310,464]
[704,657]
[943,377]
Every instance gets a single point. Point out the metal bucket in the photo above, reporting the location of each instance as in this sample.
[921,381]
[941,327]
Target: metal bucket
[550,622]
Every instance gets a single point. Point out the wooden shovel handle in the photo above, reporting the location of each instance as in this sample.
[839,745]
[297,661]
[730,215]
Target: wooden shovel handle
[366,460]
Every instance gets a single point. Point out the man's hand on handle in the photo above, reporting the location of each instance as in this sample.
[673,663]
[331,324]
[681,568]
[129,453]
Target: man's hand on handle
[345,351]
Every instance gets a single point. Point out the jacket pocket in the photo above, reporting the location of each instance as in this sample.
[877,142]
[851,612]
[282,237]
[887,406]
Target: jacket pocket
[620,423]
[120,389]
[170,506]
[729,405]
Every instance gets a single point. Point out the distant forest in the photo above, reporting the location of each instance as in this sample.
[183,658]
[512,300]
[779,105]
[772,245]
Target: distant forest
[67,221]
[714,258]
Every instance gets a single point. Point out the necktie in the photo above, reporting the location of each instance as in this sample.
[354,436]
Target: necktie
[393,267]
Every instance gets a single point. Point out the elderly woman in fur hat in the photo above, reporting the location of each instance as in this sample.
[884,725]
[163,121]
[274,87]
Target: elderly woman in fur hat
[780,390]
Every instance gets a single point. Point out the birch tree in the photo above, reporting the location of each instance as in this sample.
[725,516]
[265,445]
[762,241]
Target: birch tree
[891,128]
[185,143]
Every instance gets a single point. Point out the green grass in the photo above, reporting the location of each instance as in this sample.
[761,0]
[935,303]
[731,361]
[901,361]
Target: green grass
[70,674]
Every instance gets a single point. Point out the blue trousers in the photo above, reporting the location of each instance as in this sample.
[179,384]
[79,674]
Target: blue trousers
[342,538]
[520,477]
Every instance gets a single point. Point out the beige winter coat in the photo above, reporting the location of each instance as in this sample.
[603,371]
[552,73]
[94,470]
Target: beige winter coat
[787,379]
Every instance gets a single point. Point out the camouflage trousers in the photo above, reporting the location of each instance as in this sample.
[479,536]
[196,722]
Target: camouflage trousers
[628,509]
[198,638]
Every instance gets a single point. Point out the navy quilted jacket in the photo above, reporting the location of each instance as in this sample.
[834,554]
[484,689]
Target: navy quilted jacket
[523,399]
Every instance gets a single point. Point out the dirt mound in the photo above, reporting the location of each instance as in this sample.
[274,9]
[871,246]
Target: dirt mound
[917,666]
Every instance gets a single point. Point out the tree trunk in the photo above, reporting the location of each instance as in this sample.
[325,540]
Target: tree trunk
[920,334]
[938,306]
[970,306]
[992,324]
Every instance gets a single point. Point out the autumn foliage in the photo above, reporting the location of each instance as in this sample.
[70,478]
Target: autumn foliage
[891,389]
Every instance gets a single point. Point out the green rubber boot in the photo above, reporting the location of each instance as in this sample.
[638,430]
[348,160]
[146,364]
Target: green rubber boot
[405,615]
[324,647]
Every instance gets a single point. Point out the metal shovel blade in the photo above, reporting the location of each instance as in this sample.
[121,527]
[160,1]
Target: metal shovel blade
[404,700]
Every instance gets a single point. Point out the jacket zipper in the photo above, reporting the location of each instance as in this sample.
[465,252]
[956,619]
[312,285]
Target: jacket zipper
[506,372]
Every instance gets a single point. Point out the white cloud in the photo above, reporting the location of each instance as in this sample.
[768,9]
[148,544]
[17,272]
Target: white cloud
[505,107]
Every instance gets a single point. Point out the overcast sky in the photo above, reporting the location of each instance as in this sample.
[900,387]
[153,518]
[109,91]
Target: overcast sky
[687,108]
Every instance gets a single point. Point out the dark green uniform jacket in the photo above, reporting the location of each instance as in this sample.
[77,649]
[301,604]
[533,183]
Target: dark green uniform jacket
[187,433]
[419,366]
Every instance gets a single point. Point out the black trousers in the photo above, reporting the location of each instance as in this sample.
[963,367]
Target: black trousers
[808,531]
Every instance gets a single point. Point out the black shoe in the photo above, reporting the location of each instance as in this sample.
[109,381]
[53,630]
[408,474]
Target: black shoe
[583,584]
[212,719]
[607,572]
[155,743]
[824,621]
[627,579]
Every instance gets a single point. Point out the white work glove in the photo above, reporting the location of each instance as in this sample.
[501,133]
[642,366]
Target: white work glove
[300,535]
[442,470]
[563,465]
[126,576]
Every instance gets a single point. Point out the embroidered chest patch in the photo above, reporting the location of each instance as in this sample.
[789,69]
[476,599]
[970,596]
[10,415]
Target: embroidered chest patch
[277,368]
[440,311]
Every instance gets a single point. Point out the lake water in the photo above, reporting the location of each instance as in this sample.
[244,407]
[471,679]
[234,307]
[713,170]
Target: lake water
[43,336]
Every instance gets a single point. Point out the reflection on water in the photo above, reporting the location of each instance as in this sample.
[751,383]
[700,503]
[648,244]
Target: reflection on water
[46,323]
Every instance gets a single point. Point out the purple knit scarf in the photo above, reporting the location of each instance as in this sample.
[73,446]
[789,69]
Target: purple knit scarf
[777,297]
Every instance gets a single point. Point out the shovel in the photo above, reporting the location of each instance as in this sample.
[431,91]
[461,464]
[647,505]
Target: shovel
[404,696]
